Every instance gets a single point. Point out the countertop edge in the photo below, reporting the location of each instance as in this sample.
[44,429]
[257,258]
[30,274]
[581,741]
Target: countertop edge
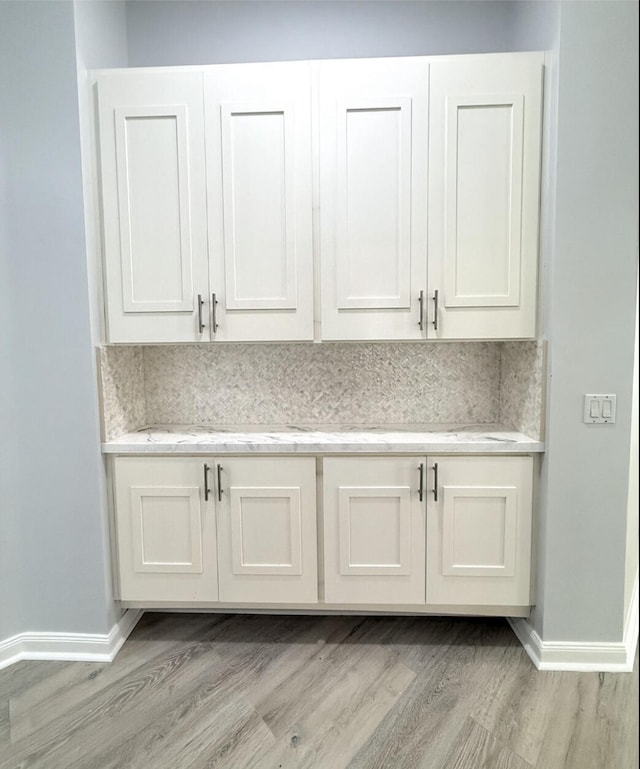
[444,448]
[465,442]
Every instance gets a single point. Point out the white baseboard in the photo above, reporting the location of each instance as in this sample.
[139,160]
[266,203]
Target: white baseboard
[578,656]
[77,647]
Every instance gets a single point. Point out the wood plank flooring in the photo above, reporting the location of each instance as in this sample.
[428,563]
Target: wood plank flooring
[205,691]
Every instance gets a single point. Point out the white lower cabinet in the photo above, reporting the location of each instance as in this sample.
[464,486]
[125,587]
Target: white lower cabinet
[479,530]
[267,549]
[230,530]
[165,530]
[374,530]
[396,530]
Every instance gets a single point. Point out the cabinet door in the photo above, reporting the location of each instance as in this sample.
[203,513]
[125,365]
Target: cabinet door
[374,531]
[258,134]
[267,530]
[151,129]
[479,530]
[165,530]
[484,177]
[373,197]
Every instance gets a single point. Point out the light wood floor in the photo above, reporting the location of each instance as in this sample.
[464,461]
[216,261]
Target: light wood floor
[202,691]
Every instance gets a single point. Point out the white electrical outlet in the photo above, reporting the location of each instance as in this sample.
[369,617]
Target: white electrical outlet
[599,409]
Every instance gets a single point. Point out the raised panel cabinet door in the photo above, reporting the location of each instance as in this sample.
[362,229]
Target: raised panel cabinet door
[165,529]
[373,197]
[484,190]
[152,155]
[258,136]
[267,530]
[374,530]
[479,512]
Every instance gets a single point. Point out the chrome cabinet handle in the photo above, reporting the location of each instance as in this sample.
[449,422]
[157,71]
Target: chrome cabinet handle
[214,322]
[200,323]
[206,482]
[435,481]
[421,482]
[219,479]
[435,310]
[421,310]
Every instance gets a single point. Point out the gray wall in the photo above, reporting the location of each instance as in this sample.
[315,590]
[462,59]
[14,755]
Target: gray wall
[590,314]
[184,32]
[535,26]
[631,558]
[9,523]
[101,41]
[52,565]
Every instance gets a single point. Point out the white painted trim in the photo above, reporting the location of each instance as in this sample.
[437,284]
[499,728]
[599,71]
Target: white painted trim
[579,656]
[630,636]
[77,647]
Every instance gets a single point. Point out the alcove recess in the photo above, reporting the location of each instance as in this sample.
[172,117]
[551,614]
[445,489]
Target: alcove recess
[324,385]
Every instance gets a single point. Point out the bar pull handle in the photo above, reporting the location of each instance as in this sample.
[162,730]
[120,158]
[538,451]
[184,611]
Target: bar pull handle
[214,322]
[421,309]
[200,304]
[435,481]
[421,483]
[435,310]
[219,479]
[206,482]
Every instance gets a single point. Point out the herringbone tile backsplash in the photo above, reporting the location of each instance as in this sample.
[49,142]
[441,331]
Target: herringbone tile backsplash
[328,383]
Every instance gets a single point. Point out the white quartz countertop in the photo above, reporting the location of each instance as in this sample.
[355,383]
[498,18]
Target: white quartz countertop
[334,439]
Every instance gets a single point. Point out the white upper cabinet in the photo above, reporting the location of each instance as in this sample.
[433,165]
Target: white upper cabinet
[421,174]
[373,197]
[154,205]
[258,139]
[215,250]
[484,169]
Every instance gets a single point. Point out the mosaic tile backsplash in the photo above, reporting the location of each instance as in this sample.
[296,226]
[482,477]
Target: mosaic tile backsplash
[323,384]
[122,390]
[522,380]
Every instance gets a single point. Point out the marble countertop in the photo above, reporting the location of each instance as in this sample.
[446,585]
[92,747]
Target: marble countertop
[332,439]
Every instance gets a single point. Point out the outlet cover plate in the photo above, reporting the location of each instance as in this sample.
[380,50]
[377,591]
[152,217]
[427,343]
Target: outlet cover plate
[599,409]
